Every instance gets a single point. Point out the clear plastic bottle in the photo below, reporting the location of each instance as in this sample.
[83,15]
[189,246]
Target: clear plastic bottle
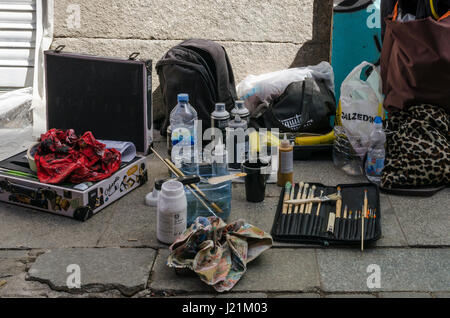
[377,153]
[184,135]
[219,160]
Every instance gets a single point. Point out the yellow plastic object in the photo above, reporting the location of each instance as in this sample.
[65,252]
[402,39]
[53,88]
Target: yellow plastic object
[258,140]
[315,140]
[254,142]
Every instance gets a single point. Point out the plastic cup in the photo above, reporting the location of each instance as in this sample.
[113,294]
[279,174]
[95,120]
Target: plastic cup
[256,180]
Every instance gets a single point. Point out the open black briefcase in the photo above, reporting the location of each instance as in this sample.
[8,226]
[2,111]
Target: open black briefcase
[110,97]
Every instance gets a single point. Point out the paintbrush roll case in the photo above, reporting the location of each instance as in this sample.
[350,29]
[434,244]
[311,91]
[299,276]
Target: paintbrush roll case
[313,229]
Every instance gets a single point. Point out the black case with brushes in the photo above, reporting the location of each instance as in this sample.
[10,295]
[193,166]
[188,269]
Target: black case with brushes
[311,228]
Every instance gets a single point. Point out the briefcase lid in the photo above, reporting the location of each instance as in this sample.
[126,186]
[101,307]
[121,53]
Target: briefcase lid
[110,97]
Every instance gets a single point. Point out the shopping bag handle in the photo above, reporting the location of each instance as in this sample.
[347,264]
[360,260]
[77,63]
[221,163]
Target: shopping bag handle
[433,12]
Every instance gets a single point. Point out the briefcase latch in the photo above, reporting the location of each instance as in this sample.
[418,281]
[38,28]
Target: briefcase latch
[133,56]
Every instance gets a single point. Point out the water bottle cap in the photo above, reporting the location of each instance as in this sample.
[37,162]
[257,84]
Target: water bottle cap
[183,98]
[378,120]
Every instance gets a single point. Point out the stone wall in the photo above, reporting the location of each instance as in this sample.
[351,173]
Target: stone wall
[259,36]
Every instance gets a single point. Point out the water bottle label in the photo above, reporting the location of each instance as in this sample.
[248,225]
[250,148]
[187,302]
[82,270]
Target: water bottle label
[375,166]
[182,135]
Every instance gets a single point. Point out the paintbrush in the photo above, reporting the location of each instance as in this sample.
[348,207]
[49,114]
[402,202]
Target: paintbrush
[322,199]
[287,191]
[365,208]
[222,179]
[189,187]
[296,209]
[311,196]
[339,203]
[291,198]
[304,197]
[320,204]
[17,173]
[299,195]
[193,186]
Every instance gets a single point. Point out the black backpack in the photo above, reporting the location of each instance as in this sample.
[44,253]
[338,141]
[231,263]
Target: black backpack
[200,68]
[304,107]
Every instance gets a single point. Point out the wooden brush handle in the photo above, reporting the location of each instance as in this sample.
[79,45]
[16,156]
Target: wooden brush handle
[338,208]
[196,188]
[287,193]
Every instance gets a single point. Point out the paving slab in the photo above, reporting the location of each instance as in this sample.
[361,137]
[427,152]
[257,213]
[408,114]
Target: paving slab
[402,270]
[11,267]
[323,171]
[405,295]
[23,227]
[392,234]
[242,295]
[126,270]
[277,270]
[425,221]
[351,296]
[18,287]
[13,254]
[442,295]
[296,295]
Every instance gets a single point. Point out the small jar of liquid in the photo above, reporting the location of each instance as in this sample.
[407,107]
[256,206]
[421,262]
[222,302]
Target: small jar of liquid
[285,163]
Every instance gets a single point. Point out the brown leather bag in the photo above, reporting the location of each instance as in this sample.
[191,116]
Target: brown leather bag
[415,62]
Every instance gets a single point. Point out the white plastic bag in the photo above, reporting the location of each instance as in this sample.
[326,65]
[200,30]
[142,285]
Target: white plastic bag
[361,101]
[259,91]
[15,122]
[15,108]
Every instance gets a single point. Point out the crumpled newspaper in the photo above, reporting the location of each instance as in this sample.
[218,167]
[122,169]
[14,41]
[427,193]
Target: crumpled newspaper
[218,253]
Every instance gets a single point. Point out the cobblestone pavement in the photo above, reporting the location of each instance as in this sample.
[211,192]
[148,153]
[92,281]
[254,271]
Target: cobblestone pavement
[119,256]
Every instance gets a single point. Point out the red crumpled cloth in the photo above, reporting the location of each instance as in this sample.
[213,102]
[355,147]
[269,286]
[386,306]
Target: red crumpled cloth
[62,156]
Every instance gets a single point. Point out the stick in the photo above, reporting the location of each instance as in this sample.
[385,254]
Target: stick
[190,189]
[196,188]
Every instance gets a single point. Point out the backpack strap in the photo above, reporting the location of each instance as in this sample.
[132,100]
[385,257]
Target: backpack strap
[444,16]
[394,18]
[433,12]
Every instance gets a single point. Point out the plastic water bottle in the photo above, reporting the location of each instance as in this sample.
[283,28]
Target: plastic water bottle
[182,122]
[377,153]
